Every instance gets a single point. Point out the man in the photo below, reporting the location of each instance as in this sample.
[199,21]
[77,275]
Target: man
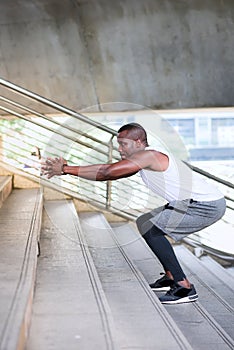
[193,204]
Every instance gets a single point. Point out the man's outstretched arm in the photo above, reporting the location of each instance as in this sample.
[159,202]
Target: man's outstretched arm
[97,172]
[101,172]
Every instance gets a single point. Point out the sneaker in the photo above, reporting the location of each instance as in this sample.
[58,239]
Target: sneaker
[162,284]
[178,294]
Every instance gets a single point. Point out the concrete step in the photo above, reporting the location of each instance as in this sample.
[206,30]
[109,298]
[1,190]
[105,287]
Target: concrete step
[230,270]
[224,273]
[215,288]
[141,321]
[211,272]
[206,323]
[5,188]
[70,310]
[20,219]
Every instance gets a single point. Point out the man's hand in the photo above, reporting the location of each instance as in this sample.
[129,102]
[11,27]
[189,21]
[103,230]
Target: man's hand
[52,167]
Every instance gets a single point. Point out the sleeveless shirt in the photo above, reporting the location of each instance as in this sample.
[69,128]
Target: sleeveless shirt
[179,182]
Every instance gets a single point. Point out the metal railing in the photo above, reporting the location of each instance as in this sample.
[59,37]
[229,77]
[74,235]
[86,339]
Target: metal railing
[225,183]
[80,140]
[64,132]
[204,238]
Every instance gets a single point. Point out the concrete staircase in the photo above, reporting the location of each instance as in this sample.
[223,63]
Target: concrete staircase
[208,322]
[88,289]
[5,188]
[70,310]
[20,220]
[140,320]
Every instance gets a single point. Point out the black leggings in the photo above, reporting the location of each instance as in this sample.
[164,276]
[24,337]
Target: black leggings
[156,240]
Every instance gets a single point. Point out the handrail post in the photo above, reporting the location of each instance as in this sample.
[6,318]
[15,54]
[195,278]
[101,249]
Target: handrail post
[109,182]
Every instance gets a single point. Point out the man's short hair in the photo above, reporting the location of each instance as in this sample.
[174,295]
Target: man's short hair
[137,131]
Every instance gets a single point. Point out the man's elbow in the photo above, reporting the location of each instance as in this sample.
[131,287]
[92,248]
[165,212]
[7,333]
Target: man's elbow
[104,174]
[108,173]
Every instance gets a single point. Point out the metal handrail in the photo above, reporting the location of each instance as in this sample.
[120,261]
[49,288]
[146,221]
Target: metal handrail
[48,128]
[109,196]
[43,116]
[31,119]
[64,110]
[111,132]
[210,176]
[122,192]
[55,105]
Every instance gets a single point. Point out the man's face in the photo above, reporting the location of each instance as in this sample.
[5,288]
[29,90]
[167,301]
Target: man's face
[127,146]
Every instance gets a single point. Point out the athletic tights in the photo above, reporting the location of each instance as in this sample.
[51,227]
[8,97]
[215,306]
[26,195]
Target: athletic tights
[156,240]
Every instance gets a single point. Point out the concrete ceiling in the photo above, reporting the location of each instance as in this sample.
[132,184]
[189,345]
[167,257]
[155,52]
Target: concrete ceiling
[12,11]
[149,52]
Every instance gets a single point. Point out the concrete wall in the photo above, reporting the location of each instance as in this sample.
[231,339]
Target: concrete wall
[160,54]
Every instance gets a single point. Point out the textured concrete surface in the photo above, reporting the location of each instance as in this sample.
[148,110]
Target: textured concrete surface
[69,310]
[160,54]
[140,319]
[5,188]
[105,302]
[206,323]
[19,226]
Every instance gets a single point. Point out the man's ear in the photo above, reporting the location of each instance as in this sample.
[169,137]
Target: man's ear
[139,143]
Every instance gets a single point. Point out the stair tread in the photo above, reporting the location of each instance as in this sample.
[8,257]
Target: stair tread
[69,305]
[212,275]
[139,317]
[3,179]
[216,294]
[19,227]
[5,187]
[185,315]
[223,272]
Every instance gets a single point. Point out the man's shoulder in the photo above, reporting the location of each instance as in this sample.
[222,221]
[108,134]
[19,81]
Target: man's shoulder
[152,160]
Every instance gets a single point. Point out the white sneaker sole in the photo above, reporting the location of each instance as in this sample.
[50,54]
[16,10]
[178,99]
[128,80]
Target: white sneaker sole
[188,299]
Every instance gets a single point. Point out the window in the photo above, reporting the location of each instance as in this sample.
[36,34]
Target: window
[223,132]
[185,128]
